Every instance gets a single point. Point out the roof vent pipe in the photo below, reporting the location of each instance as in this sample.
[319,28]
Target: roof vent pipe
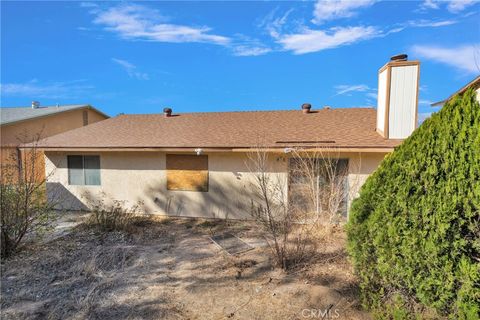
[35,104]
[399,57]
[167,112]
[306,107]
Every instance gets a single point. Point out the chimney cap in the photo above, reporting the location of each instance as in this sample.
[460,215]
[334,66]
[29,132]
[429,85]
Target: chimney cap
[399,57]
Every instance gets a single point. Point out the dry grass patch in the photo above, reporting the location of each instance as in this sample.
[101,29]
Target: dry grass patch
[169,269]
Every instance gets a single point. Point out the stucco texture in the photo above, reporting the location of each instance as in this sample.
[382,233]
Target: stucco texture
[25,131]
[141,176]
[14,134]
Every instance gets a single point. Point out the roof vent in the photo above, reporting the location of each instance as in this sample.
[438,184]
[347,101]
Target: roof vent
[306,107]
[35,104]
[167,112]
[399,57]
[327,107]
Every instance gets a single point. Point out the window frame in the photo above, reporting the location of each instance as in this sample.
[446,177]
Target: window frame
[296,181]
[83,170]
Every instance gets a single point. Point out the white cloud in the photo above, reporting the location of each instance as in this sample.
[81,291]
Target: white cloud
[131,69]
[454,6]
[425,102]
[464,58]
[245,50]
[317,40]
[243,45]
[429,4]
[334,9]
[137,22]
[57,90]
[346,89]
[306,40]
[274,25]
[430,23]
[372,94]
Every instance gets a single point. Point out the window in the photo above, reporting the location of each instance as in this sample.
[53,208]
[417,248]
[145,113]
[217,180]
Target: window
[326,178]
[187,172]
[84,170]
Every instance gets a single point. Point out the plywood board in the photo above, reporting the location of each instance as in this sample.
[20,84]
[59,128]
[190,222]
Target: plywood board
[187,172]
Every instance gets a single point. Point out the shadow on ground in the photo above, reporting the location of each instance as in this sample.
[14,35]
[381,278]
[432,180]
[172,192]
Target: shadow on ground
[169,269]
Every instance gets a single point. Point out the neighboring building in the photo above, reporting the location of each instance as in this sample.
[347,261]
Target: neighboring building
[196,164]
[24,124]
[475,84]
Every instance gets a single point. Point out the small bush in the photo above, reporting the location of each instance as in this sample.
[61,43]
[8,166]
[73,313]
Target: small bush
[294,224]
[414,232]
[25,209]
[113,216]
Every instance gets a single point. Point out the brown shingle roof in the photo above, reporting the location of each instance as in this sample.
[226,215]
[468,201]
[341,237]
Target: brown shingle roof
[347,128]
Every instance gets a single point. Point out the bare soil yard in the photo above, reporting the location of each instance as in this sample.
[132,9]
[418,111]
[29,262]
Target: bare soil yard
[169,268]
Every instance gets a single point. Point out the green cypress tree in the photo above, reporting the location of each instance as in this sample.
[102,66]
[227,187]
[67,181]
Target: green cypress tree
[414,232]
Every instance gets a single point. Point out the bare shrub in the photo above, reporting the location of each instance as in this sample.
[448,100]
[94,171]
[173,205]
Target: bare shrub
[293,211]
[113,216]
[24,206]
[319,186]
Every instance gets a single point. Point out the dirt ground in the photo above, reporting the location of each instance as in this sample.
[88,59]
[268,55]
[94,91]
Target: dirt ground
[166,268]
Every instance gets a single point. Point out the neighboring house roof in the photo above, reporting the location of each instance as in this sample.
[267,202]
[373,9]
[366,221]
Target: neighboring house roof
[474,83]
[338,128]
[10,115]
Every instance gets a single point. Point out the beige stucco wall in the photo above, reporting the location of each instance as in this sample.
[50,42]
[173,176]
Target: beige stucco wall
[11,135]
[14,134]
[141,176]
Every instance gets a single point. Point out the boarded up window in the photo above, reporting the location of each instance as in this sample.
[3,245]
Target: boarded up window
[187,172]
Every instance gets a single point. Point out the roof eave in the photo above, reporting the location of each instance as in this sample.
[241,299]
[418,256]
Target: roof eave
[366,149]
[474,82]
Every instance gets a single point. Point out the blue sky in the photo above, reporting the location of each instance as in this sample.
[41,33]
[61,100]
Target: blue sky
[139,57]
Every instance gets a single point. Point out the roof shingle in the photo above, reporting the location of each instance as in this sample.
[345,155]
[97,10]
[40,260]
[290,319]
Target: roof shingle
[346,128]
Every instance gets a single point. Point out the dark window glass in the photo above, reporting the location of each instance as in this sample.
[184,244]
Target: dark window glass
[84,170]
[75,170]
[92,170]
[327,178]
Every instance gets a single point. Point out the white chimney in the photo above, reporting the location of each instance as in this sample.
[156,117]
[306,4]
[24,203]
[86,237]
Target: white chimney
[397,105]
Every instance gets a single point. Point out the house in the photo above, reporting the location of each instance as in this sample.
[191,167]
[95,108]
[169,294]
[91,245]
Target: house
[196,164]
[475,84]
[24,124]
